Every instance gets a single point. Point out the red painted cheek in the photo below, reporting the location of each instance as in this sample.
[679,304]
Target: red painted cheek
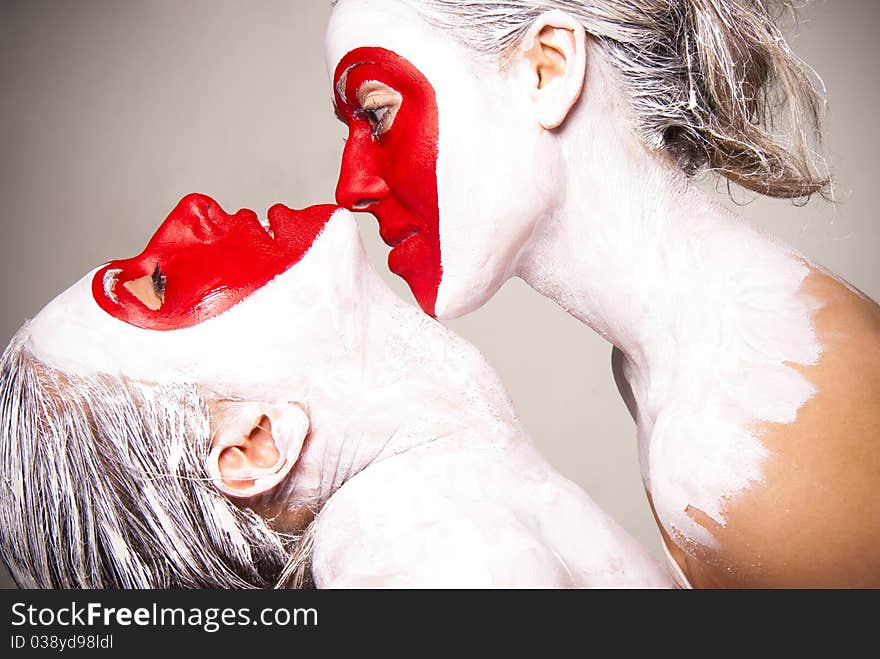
[202,261]
[395,173]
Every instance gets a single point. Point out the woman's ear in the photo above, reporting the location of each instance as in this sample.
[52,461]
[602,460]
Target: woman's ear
[254,445]
[554,49]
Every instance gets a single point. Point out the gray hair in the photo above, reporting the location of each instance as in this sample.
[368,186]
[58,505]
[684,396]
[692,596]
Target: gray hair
[104,485]
[705,78]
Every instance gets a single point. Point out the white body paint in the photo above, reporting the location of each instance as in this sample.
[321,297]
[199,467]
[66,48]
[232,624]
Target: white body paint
[390,393]
[474,515]
[708,312]
[710,317]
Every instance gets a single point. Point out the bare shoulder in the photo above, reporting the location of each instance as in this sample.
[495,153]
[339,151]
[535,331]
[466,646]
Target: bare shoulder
[813,519]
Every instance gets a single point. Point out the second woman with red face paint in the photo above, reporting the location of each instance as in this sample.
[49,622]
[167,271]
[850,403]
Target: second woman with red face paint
[555,141]
[392,173]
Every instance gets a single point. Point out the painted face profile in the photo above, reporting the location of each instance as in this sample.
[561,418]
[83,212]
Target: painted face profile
[202,261]
[268,364]
[435,152]
[220,301]
[184,309]
[391,159]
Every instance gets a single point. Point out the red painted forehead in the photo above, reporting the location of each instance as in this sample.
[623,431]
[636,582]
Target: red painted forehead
[202,261]
[363,64]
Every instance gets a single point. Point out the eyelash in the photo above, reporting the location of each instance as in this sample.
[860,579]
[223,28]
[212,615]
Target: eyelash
[375,117]
[159,280]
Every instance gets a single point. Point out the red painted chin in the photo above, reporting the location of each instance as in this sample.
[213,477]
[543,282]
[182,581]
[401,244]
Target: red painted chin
[407,260]
[202,261]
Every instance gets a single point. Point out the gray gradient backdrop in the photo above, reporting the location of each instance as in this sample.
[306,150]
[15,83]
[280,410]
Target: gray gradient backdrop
[112,110]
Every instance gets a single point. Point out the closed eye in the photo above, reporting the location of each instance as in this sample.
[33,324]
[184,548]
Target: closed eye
[159,280]
[378,118]
[149,290]
[379,105]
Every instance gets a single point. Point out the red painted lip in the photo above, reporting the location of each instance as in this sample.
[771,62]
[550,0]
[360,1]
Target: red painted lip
[393,233]
[398,240]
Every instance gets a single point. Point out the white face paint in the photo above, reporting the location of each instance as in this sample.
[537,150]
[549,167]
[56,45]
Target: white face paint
[489,147]
[246,351]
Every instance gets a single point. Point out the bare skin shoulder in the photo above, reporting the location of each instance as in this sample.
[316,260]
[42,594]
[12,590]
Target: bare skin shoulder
[814,519]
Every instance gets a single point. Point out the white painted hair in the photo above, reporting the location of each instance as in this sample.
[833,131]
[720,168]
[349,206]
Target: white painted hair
[706,78]
[105,485]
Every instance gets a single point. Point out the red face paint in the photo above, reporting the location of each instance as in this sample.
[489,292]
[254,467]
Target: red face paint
[204,261]
[394,174]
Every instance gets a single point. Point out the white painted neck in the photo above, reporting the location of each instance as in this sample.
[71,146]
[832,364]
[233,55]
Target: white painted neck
[634,248]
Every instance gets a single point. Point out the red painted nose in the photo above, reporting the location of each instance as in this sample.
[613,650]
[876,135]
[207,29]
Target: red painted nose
[359,185]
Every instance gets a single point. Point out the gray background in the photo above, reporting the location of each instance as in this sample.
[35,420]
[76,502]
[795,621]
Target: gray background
[112,111]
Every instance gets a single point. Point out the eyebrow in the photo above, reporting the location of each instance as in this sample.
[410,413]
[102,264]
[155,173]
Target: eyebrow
[343,79]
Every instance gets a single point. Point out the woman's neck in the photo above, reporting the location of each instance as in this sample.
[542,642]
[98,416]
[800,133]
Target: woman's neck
[637,252]
[709,313]
[400,380]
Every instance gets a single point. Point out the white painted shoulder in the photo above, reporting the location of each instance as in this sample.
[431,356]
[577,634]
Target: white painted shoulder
[391,527]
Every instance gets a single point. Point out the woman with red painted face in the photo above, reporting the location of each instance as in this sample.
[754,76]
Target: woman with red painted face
[248,405]
[556,141]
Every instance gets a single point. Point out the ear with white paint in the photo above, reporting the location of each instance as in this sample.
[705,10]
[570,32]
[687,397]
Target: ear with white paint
[554,49]
[255,445]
